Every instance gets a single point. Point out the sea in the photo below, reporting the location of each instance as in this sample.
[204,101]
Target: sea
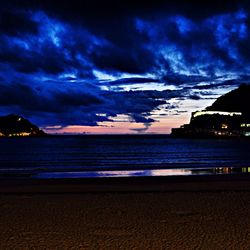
[100,156]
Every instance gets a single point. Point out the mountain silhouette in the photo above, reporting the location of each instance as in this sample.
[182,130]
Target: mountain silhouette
[15,125]
[236,100]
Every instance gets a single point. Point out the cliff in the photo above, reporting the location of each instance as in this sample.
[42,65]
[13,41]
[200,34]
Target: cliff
[14,126]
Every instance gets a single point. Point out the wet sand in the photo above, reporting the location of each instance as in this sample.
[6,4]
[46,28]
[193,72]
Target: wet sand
[146,214]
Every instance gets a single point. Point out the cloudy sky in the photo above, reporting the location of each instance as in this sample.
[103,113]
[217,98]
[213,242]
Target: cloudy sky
[119,67]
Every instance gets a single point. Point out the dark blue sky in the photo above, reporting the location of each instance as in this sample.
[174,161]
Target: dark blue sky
[119,67]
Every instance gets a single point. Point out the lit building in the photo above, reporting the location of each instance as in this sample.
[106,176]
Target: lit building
[245,125]
[205,112]
[215,124]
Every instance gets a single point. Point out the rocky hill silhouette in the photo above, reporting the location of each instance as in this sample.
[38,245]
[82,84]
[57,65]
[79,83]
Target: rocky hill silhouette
[15,125]
[236,100]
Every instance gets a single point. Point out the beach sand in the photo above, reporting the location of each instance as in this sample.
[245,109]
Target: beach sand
[160,214]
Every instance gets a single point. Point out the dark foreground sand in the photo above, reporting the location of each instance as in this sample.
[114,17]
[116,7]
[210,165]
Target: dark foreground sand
[183,215]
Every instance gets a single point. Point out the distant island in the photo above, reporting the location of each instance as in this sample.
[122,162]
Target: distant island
[229,116]
[16,126]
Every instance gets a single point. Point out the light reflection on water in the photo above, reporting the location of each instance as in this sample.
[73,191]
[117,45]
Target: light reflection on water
[141,173]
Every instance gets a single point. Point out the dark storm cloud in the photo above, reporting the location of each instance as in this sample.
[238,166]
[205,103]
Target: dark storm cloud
[52,50]
[57,106]
[209,47]
[15,95]
[178,79]
[46,99]
[53,55]
[138,47]
[16,23]
[225,83]
[136,103]
[71,106]
[114,59]
[26,61]
[110,9]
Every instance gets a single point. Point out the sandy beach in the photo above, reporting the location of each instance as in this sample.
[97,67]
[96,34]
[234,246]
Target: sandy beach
[110,214]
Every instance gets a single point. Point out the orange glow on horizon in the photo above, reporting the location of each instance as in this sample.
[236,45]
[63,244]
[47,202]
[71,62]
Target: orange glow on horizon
[122,124]
[124,127]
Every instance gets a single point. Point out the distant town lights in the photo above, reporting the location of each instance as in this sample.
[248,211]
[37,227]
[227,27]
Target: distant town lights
[224,126]
[19,134]
[243,125]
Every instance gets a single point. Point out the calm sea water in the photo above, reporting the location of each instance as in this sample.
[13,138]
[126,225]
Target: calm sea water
[76,156]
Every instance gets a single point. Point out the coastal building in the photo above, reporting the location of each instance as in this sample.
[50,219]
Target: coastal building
[206,112]
[214,124]
[228,116]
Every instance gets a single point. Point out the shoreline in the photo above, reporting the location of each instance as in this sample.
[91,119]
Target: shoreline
[207,183]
